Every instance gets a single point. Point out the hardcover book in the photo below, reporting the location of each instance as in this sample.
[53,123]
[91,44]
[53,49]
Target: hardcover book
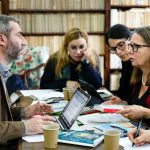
[83,138]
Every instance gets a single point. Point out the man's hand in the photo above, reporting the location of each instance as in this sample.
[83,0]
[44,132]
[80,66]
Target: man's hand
[35,124]
[37,109]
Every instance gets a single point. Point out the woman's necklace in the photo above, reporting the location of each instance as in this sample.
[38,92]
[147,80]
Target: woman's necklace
[143,83]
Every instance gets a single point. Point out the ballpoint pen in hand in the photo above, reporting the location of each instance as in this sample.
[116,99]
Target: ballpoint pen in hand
[137,130]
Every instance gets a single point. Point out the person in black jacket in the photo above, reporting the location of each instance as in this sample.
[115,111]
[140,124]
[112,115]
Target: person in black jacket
[117,38]
[73,62]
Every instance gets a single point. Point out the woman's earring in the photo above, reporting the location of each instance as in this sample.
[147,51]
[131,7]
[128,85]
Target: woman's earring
[68,53]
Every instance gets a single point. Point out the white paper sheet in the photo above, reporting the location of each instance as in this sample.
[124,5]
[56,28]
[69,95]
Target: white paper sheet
[34,138]
[126,143]
[42,94]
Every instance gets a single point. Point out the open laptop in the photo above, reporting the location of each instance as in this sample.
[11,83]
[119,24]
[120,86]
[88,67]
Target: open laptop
[73,109]
[102,97]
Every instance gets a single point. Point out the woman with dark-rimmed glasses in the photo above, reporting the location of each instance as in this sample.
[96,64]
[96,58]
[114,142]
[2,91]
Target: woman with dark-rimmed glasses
[139,52]
[117,38]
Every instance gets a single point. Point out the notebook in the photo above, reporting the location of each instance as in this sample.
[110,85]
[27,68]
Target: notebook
[73,109]
[102,97]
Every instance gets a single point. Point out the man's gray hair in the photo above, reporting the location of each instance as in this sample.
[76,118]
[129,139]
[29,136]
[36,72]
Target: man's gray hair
[5,27]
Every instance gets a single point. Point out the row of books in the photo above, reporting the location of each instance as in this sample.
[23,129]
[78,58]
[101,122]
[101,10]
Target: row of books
[55,42]
[141,17]
[130,2]
[61,22]
[57,4]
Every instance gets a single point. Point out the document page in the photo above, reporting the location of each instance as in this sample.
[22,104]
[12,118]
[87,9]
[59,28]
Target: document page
[126,143]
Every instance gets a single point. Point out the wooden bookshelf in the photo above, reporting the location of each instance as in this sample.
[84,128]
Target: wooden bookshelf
[99,33]
[127,7]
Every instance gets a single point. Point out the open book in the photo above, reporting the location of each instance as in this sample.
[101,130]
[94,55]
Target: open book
[83,138]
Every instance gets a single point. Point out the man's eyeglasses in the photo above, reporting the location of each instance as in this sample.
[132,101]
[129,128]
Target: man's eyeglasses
[135,46]
[121,46]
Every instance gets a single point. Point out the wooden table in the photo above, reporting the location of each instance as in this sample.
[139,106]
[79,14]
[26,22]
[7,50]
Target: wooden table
[22,145]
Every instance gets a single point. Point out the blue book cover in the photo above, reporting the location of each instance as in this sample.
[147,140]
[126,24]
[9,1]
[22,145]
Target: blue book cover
[104,127]
[83,138]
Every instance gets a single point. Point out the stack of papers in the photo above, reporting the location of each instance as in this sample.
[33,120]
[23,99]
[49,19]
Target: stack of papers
[42,94]
[102,118]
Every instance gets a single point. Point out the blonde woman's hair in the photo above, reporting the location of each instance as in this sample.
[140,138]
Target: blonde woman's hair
[62,56]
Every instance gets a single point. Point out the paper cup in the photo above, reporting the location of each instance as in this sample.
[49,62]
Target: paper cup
[71,92]
[111,139]
[50,135]
[66,93]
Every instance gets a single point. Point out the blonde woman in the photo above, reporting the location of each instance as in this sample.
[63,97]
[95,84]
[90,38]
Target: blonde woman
[73,62]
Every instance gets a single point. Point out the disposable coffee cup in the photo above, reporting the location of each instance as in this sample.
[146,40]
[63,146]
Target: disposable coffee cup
[66,93]
[111,139]
[50,135]
[71,92]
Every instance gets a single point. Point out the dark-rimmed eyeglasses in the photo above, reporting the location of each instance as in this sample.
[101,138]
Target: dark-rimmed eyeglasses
[121,46]
[135,46]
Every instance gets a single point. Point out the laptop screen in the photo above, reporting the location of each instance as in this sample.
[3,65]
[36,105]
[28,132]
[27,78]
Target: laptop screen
[75,106]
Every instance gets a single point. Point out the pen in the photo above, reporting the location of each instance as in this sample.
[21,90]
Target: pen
[137,130]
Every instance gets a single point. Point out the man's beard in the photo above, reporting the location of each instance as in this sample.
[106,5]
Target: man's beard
[12,51]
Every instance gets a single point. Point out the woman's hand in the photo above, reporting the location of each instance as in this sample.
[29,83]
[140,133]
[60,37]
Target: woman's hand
[72,84]
[86,55]
[135,112]
[37,109]
[114,100]
[142,139]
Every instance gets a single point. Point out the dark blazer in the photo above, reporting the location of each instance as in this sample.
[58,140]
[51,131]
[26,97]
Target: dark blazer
[125,88]
[10,126]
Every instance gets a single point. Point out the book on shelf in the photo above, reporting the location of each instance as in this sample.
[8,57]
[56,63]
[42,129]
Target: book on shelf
[140,16]
[83,138]
[108,108]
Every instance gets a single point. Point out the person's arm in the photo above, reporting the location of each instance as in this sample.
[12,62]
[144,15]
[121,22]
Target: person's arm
[47,80]
[132,112]
[91,75]
[11,130]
